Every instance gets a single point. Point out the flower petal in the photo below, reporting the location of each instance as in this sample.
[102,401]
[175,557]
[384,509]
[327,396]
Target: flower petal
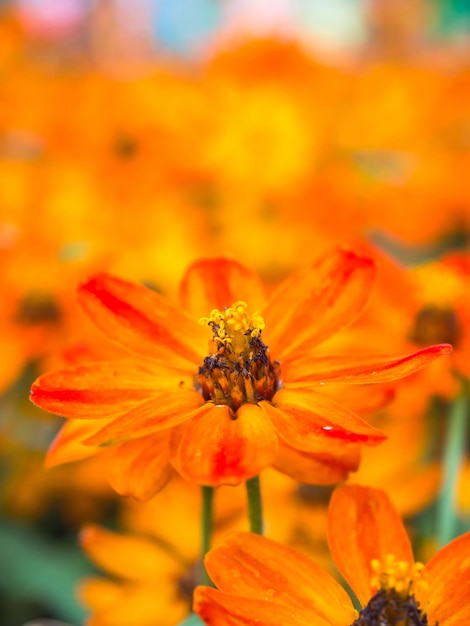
[115,604]
[253,566]
[113,552]
[68,445]
[222,609]
[363,525]
[142,321]
[301,416]
[140,468]
[162,411]
[328,468]
[448,574]
[360,369]
[213,448]
[313,304]
[217,283]
[99,390]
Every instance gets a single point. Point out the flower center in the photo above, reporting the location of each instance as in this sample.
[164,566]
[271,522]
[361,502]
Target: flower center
[436,325]
[37,308]
[238,369]
[394,604]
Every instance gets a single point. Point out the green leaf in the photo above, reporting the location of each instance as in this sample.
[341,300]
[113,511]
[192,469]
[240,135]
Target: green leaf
[43,570]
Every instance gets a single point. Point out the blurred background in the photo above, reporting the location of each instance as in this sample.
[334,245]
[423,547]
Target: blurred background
[139,135]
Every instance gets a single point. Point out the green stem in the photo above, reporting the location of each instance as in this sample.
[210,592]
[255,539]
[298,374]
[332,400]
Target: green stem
[454,451]
[255,507]
[207,512]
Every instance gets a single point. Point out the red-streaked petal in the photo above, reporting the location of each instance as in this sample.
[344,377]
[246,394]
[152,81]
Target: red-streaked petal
[214,449]
[217,283]
[360,369]
[222,609]
[253,566]
[163,410]
[100,390]
[300,416]
[140,468]
[313,304]
[142,321]
[68,444]
[325,468]
[448,574]
[364,525]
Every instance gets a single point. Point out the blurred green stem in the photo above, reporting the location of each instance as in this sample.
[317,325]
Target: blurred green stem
[454,451]
[207,514]
[255,507]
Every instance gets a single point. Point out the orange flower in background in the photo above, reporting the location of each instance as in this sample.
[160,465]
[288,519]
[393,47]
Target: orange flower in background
[264,583]
[150,592]
[220,415]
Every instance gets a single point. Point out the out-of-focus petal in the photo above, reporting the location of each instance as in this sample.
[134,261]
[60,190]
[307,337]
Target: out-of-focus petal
[99,390]
[253,566]
[217,283]
[360,369]
[140,468]
[163,410]
[313,304]
[129,557]
[301,415]
[447,600]
[363,525]
[328,468]
[142,321]
[115,604]
[214,448]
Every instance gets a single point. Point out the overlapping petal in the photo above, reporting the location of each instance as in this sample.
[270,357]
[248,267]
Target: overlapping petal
[163,410]
[301,416]
[142,321]
[327,467]
[68,444]
[217,283]
[364,525]
[140,468]
[222,609]
[214,448]
[447,600]
[256,567]
[312,305]
[360,369]
[100,390]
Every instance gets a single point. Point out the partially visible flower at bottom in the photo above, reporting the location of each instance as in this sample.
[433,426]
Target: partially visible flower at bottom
[264,583]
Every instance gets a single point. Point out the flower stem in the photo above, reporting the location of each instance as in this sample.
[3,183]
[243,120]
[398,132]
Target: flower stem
[454,451]
[255,507]
[207,512]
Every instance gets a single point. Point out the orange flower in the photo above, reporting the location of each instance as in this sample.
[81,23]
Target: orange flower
[151,591]
[267,584]
[222,415]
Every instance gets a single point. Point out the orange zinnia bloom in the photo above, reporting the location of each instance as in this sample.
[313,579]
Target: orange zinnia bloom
[223,414]
[264,583]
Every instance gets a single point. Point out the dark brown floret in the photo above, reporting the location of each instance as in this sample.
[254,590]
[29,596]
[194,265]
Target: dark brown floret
[388,608]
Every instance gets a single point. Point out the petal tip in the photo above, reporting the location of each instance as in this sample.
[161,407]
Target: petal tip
[445,348]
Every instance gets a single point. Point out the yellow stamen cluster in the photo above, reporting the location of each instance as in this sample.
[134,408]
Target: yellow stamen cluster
[400,576]
[233,321]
